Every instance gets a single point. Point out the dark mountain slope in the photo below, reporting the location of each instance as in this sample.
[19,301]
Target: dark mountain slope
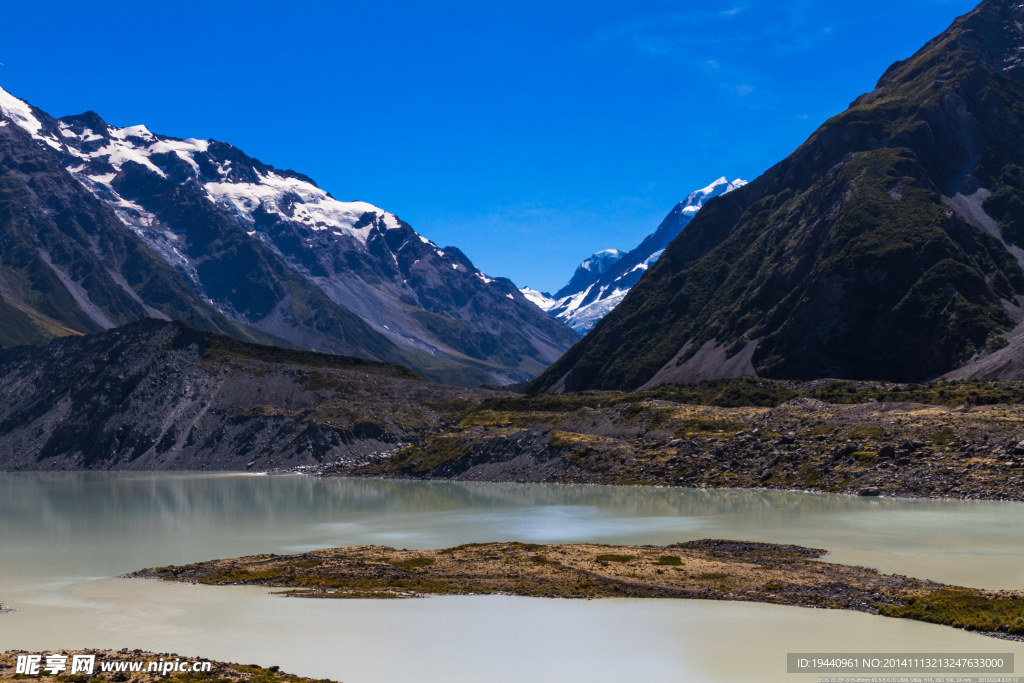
[883,248]
[162,395]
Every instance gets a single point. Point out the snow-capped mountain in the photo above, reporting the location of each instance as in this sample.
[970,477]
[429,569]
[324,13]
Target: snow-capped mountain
[602,280]
[270,250]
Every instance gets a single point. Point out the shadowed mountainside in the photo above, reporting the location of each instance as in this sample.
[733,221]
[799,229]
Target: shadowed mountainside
[163,395]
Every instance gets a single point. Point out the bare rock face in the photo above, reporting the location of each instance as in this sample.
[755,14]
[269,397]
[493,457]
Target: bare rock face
[888,246]
[163,395]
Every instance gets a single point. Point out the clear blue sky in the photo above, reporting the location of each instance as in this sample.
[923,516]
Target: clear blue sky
[529,135]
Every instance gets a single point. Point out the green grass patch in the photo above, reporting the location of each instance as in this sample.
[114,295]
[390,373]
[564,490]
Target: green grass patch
[766,393]
[690,426]
[307,564]
[413,563]
[943,436]
[867,432]
[433,452]
[215,345]
[964,608]
[865,457]
[561,439]
[245,576]
[611,557]
[507,418]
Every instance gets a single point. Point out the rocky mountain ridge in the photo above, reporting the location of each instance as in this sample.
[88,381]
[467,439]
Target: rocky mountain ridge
[255,251]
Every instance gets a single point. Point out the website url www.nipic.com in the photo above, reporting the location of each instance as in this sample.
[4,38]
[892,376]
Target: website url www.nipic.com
[56,664]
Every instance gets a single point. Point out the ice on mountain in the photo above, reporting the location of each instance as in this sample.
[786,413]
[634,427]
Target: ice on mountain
[139,131]
[20,112]
[539,299]
[582,309]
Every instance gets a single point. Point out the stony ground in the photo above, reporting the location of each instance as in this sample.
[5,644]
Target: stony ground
[709,569]
[869,448]
[220,672]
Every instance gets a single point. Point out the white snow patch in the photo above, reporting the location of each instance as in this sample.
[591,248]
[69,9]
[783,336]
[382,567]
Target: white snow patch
[585,317]
[696,199]
[19,112]
[51,141]
[119,151]
[648,261]
[539,299]
[88,135]
[105,179]
[603,260]
[139,131]
[315,208]
[183,148]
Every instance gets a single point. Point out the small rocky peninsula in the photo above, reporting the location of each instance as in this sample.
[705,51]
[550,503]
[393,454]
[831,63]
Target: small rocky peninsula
[707,570]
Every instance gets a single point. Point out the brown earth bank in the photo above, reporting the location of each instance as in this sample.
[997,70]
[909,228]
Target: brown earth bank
[860,438]
[707,570]
[220,672]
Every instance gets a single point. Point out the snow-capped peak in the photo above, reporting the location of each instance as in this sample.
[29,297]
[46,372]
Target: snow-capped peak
[139,131]
[19,112]
[696,200]
[711,188]
[99,152]
[245,191]
[543,301]
[600,261]
[603,280]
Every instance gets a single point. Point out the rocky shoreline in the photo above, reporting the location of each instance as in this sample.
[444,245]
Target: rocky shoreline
[872,448]
[706,570]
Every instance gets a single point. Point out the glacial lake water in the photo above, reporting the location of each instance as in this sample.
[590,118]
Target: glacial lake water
[64,539]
